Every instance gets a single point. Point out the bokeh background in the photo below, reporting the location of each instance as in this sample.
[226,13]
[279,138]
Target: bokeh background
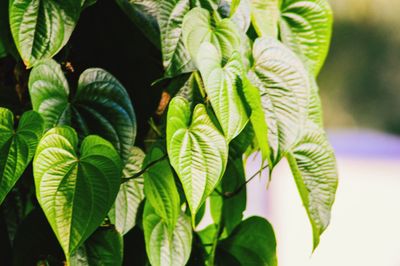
[360,89]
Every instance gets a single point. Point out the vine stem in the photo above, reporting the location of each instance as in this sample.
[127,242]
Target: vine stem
[145,169]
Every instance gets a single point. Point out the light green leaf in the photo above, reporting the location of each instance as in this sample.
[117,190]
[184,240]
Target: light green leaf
[197,151]
[124,211]
[238,11]
[75,188]
[100,106]
[41,28]
[143,13]
[160,188]
[176,58]
[265,16]
[306,27]
[315,106]
[314,169]
[198,27]
[285,90]
[221,84]
[164,249]
[252,243]
[17,147]
[104,247]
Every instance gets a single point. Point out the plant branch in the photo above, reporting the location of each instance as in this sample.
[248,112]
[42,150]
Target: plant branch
[144,170]
[231,194]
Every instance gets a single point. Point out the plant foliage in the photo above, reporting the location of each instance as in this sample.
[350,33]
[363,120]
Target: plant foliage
[239,77]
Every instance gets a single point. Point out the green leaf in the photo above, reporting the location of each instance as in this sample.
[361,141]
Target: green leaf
[17,147]
[160,188]
[163,248]
[285,90]
[41,28]
[306,27]
[197,151]
[3,51]
[265,16]
[252,243]
[229,211]
[315,106]
[100,106]
[238,11]
[143,13]
[198,27]
[176,58]
[221,84]
[75,188]
[314,169]
[124,211]
[104,247]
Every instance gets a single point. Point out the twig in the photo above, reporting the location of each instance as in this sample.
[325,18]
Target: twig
[144,170]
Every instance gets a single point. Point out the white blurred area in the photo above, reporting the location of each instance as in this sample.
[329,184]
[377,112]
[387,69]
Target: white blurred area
[365,224]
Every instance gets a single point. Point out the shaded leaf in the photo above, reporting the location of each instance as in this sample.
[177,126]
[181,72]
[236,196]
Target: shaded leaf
[314,169]
[41,28]
[100,106]
[162,247]
[17,147]
[306,27]
[252,243]
[285,90]
[160,188]
[221,84]
[75,188]
[197,151]
[124,211]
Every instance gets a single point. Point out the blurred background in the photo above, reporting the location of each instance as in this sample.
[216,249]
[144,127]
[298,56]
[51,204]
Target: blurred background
[360,89]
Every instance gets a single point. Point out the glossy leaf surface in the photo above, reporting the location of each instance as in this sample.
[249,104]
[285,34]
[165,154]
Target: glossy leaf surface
[17,147]
[75,187]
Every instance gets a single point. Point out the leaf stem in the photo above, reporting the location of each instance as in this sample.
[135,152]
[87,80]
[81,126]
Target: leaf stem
[144,170]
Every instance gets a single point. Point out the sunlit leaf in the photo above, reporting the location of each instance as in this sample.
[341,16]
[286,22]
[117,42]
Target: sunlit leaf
[17,147]
[75,186]
[221,84]
[265,17]
[164,249]
[314,169]
[197,151]
[285,90]
[41,28]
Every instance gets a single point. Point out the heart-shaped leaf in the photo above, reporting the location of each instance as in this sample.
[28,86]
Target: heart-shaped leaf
[306,27]
[221,84]
[265,16]
[160,188]
[313,166]
[197,151]
[176,58]
[252,243]
[17,147]
[104,247]
[75,187]
[41,28]
[164,249]
[144,14]
[124,211]
[100,106]
[198,27]
[284,87]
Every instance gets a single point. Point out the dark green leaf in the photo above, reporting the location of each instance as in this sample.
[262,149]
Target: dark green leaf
[314,169]
[17,147]
[163,248]
[41,28]
[197,151]
[75,187]
[252,243]
[160,188]
[100,106]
